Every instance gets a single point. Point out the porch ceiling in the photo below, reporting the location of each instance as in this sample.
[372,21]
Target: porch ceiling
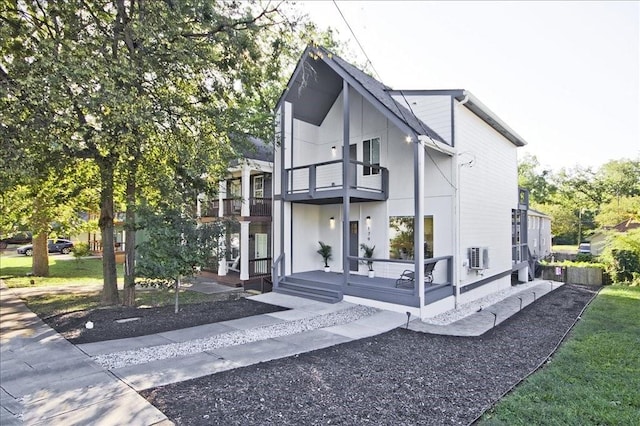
[314,91]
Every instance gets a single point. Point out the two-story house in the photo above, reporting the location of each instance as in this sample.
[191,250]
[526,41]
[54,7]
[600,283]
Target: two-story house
[427,177]
[244,204]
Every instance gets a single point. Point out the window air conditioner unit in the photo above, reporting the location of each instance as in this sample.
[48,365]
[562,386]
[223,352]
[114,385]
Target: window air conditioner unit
[479,258]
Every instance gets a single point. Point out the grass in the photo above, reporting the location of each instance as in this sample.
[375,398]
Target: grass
[14,270]
[46,305]
[564,248]
[595,376]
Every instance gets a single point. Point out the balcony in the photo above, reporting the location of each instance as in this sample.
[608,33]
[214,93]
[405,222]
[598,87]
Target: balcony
[233,207]
[322,183]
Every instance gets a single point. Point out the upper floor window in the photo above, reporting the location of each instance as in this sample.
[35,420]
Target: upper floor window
[371,150]
[258,186]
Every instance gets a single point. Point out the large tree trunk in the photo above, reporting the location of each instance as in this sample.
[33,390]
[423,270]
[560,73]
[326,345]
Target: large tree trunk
[40,267]
[129,294]
[109,274]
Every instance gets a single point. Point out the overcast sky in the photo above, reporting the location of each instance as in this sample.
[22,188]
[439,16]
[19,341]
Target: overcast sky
[563,75]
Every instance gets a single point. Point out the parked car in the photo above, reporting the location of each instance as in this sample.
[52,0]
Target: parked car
[584,248]
[21,238]
[55,246]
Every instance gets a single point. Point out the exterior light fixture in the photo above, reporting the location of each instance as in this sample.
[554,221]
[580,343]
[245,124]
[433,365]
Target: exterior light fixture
[408,139]
[368,221]
[332,222]
[333,151]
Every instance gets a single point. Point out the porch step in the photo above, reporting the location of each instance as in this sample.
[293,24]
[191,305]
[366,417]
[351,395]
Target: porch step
[307,291]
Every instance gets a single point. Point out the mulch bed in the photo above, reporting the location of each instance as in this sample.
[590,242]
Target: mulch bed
[150,320]
[400,377]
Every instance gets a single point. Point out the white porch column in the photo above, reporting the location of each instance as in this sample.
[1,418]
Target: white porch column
[199,200]
[244,250]
[222,194]
[246,190]
[418,226]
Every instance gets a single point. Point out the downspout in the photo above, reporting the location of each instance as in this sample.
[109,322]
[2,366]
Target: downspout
[418,225]
[456,212]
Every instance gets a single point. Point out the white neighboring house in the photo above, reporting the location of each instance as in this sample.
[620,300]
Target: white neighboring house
[244,202]
[538,233]
[359,163]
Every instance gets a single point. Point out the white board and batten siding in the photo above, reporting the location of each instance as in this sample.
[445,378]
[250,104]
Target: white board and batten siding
[489,190]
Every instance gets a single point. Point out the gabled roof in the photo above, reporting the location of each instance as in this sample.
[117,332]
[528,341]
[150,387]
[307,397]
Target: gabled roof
[249,147]
[538,213]
[318,81]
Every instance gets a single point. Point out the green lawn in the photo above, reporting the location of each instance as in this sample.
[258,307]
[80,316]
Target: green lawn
[61,302]
[565,249]
[14,270]
[594,379]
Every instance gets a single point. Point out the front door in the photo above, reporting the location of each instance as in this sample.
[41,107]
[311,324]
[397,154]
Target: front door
[262,266]
[353,244]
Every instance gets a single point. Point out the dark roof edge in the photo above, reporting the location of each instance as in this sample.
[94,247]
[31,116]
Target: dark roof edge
[538,212]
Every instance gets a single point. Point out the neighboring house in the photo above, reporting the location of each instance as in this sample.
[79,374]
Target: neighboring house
[244,202]
[359,163]
[599,239]
[538,234]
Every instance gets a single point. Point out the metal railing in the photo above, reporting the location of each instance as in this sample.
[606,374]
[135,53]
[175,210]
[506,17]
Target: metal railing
[277,271]
[327,175]
[259,267]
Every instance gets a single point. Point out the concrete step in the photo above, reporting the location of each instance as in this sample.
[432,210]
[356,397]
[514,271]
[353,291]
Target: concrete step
[309,291]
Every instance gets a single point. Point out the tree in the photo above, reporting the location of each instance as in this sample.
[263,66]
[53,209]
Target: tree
[538,182]
[121,82]
[175,247]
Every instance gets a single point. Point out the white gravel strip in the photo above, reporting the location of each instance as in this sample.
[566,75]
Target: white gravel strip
[467,309]
[143,355]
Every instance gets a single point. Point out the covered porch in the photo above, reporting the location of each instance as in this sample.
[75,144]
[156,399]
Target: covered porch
[331,287]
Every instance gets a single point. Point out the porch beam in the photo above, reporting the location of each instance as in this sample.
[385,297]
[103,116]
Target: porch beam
[345,179]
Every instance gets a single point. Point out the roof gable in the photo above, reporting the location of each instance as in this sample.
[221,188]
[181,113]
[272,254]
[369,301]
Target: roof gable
[318,81]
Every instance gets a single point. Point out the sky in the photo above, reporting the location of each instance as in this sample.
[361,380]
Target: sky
[565,76]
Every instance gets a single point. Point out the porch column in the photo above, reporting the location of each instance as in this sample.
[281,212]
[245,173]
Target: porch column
[345,182]
[418,226]
[199,200]
[222,248]
[244,250]
[246,190]
[222,194]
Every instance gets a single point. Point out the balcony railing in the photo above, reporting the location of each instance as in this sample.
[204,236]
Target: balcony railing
[324,179]
[233,207]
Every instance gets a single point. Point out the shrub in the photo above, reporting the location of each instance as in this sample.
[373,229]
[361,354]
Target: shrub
[584,257]
[625,266]
[81,250]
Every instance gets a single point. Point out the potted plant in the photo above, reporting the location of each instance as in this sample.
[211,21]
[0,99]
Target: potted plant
[368,253]
[325,252]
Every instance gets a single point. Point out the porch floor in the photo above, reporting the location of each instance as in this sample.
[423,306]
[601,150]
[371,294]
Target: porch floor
[378,288]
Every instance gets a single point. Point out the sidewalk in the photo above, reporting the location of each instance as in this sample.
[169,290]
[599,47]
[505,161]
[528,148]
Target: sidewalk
[489,316]
[47,380]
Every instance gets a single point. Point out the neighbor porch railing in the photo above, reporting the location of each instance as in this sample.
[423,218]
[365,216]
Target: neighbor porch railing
[259,267]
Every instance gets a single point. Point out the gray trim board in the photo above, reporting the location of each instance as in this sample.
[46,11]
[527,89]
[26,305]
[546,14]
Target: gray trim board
[346,166]
[484,281]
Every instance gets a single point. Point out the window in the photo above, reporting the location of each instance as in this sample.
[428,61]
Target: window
[401,237]
[371,149]
[258,186]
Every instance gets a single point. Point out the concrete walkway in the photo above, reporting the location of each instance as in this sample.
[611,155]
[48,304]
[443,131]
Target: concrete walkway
[47,380]
[488,317]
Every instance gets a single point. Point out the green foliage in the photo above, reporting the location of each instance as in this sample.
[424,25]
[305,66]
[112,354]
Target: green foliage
[594,377]
[535,180]
[584,257]
[80,250]
[175,246]
[617,210]
[622,257]
[325,252]
[367,251]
